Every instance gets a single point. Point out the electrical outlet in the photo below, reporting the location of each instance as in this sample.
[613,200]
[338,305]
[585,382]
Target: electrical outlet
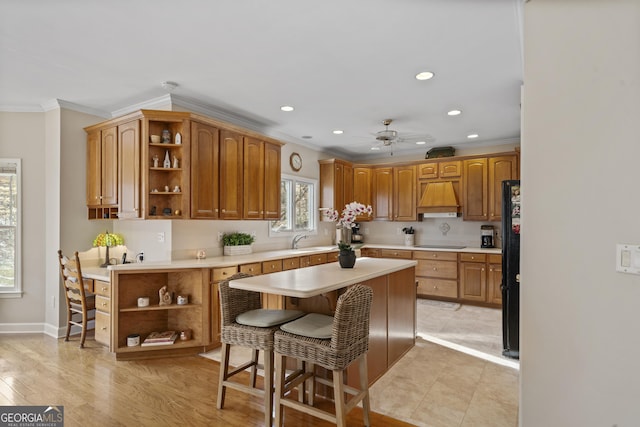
[220,234]
[253,234]
[161,237]
[398,231]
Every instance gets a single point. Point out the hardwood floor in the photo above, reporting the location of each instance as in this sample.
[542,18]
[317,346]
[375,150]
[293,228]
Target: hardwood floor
[95,390]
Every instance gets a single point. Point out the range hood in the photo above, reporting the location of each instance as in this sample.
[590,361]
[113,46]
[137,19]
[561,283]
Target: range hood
[438,200]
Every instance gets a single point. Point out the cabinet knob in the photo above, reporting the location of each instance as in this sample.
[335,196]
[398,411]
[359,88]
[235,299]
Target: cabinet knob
[104,304]
[104,289]
[473,257]
[435,287]
[482,269]
[223,210]
[435,269]
[104,328]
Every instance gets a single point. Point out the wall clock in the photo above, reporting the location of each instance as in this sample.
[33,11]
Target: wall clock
[295,160]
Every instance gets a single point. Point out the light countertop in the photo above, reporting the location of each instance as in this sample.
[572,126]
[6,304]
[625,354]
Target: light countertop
[315,280]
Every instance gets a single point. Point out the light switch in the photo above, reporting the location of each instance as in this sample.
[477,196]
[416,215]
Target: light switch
[628,258]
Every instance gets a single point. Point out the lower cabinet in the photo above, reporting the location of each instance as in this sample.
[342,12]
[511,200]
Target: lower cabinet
[481,278]
[437,273]
[217,276]
[102,291]
[130,319]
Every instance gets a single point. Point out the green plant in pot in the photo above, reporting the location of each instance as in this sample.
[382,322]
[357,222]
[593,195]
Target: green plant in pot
[346,257]
[237,243]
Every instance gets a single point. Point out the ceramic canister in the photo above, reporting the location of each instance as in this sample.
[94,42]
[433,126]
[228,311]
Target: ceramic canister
[133,340]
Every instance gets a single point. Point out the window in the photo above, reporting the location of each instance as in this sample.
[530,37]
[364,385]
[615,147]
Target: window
[298,212]
[10,283]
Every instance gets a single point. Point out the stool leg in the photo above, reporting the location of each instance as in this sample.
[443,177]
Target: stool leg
[364,385]
[268,386]
[338,397]
[280,376]
[254,367]
[224,369]
[310,367]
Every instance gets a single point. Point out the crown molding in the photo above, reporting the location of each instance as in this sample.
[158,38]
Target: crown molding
[21,109]
[54,104]
[161,102]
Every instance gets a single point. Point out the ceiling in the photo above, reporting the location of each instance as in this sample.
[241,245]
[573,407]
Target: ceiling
[344,65]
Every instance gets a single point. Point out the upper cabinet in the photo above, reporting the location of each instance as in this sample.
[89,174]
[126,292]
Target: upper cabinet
[102,172]
[178,165]
[433,170]
[336,184]
[394,193]
[362,189]
[261,180]
[482,183]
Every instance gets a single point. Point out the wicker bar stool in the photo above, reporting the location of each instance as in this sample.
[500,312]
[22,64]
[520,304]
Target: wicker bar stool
[246,324]
[333,343]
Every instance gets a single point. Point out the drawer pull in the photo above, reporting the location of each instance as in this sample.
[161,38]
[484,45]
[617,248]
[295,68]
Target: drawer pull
[104,328]
[104,304]
[104,289]
[435,268]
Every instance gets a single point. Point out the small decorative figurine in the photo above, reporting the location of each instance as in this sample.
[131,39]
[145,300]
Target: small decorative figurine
[166,188]
[165,296]
[156,161]
[166,136]
[167,161]
[152,211]
[175,162]
[176,189]
[178,139]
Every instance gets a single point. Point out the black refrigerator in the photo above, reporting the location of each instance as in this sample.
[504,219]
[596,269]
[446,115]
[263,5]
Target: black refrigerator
[511,268]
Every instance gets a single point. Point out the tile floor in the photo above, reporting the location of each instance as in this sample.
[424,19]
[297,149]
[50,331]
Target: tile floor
[462,380]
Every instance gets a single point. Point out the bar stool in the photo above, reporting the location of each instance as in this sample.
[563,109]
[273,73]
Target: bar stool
[333,343]
[246,324]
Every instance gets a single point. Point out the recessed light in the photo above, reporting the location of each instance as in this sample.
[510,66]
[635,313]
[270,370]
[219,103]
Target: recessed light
[338,132]
[421,142]
[375,148]
[424,75]
[473,135]
[454,112]
[286,108]
[306,137]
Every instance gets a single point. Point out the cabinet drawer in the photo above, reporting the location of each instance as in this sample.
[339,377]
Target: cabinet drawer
[254,268]
[332,256]
[103,328]
[495,259]
[272,266]
[370,252]
[467,257]
[290,263]
[317,259]
[102,288]
[103,304]
[443,256]
[222,273]
[437,287]
[437,269]
[394,253]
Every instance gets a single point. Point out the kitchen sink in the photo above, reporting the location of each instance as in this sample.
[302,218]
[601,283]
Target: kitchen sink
[440,246]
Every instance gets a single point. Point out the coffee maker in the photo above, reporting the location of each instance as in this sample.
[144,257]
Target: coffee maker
[486,236]
[356,237]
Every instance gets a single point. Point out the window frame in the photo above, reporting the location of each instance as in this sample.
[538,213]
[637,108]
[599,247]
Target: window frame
[314,217]
[16,290]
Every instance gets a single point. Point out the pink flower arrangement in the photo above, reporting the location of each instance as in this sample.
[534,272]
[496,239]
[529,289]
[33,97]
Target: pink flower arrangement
[349,213]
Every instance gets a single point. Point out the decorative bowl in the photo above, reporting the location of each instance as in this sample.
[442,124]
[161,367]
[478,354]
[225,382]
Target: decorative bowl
[155,139]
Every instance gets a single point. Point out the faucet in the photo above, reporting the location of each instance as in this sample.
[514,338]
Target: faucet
[296,239]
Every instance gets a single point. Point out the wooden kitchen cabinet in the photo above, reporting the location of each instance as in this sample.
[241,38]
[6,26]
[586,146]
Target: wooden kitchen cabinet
[481,278]
[362,189]
[231,174]
[129,170]
[336,184]
[217,275]
[382,193]
[102,291]
[436,169]
[205,154]
[494,280]
[394,193]
[130,319]
[437,274]
[261,180]
[395,253]
[102,173]
[482,178]
[167,188]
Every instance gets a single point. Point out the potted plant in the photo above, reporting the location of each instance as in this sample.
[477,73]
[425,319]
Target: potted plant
[237,243]
[346,219]
[346,257]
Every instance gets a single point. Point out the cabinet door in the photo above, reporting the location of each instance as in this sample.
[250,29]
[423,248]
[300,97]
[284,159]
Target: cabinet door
[253,200]
[231,149]
[404,193]
[450,169]
[204,171]
[475,189]
[473,281]
[272,175]
[362,189]
[401,294]
[428,170]
[494,285]
[382,189]
[109,167]
[347,185]
[94,168]
[129,171]
[500,169]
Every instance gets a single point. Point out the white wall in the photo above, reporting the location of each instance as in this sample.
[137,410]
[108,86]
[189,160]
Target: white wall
[580,151]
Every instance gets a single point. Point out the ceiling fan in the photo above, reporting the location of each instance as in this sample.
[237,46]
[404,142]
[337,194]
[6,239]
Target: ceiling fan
[389,137]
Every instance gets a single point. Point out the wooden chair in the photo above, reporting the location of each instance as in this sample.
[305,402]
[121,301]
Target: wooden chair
[80,306]
[244,323]
[333,343]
